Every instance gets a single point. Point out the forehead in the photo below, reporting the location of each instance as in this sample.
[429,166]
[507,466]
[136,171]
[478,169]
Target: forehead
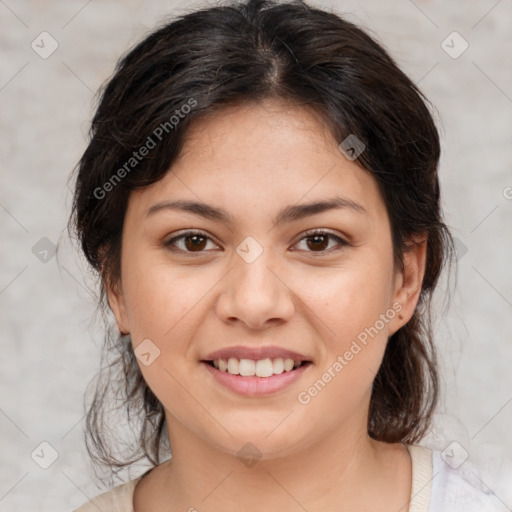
[262,156]
[270,128]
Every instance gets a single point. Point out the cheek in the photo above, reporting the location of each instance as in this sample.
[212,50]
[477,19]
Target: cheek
[159,296]
[350,306]
[165,305]
[353,306]
[349,299]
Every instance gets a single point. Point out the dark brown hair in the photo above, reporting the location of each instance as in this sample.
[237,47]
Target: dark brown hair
[246,52]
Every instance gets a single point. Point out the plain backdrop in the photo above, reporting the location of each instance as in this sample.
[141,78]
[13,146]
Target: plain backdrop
[50,343]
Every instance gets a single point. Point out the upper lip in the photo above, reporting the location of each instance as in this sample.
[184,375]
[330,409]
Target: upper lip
[255,353]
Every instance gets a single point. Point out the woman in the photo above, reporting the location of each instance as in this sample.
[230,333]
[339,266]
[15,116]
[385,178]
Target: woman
[260,198]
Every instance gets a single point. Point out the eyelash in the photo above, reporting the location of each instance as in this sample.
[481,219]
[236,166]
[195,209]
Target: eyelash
[307,234]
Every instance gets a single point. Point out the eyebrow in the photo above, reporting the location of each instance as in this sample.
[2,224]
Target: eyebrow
[288,214]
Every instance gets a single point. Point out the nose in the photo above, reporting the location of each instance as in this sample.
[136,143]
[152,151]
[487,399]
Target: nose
[255,294]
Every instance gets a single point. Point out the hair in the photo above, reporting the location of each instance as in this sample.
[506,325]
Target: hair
[249,52]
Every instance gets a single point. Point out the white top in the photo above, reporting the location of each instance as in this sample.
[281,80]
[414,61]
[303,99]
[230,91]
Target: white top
[436,487]
[461,489]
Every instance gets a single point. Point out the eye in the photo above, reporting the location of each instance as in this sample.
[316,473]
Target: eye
[189,242]
[318,241]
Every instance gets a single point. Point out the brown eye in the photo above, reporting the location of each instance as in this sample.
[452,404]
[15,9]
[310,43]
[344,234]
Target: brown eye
[318,242]
[195,242]
[189,242]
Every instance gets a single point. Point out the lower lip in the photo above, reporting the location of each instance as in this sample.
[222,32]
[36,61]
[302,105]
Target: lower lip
[256,386]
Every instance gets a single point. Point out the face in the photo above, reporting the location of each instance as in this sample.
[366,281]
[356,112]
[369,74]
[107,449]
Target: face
[264,272]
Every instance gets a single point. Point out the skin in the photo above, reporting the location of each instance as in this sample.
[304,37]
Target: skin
[253,160]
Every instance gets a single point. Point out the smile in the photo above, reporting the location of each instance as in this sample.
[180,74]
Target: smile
[256,377]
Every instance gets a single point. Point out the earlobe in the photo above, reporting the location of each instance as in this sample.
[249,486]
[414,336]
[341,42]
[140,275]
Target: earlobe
[117,305]
[409,282]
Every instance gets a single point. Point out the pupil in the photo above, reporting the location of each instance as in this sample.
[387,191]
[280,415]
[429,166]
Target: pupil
[195,244]
[317,238]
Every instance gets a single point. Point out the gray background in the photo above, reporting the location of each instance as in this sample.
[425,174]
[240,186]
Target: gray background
[50,339]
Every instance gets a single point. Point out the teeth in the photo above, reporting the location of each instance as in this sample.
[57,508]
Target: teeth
[233,366]
[247,367]
[278,365]
[264,368]
[288,364]
[261,368]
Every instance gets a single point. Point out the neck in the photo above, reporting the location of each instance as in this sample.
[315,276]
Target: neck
[343,470]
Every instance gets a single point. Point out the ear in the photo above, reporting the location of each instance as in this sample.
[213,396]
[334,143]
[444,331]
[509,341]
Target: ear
[118,305]
[408,282]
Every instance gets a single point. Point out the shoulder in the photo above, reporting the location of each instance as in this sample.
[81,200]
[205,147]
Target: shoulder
[459,487]
[118,499]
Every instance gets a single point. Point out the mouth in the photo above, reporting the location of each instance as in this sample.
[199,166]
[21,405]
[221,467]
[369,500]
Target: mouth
[256,378]
[256,371]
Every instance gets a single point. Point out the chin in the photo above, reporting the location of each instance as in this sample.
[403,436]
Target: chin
[251,445]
